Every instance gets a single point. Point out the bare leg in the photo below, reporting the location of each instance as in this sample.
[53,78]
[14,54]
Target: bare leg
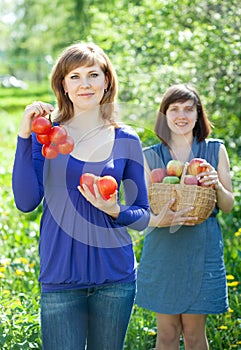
[194,332]
[169,328]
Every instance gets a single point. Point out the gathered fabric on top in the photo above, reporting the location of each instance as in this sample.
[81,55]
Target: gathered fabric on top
[182,270]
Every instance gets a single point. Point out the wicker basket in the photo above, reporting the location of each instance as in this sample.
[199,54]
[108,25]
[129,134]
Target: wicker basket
[203,199]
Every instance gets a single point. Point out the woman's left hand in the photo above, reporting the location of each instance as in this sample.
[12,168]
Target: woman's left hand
[109,206]
[209,177]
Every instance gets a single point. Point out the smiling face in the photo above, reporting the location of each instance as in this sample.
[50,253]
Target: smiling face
[182,117]
[85,86]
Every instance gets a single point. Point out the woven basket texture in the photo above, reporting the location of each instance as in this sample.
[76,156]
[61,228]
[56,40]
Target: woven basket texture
[203,199]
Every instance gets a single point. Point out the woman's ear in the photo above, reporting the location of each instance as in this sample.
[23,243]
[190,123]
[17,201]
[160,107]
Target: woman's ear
[106,83]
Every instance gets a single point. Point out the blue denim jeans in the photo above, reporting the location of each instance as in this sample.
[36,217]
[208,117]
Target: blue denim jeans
[93,319]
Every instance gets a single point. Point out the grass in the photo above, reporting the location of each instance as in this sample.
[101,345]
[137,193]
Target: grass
[19,262]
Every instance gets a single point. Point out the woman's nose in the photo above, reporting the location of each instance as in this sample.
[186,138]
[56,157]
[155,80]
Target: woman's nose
[181,113]
[84,82]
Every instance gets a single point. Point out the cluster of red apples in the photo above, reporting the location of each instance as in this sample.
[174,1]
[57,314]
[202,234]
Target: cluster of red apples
[173,172]
[55,139]
[106,185]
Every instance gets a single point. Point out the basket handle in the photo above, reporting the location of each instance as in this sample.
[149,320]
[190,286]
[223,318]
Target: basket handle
[184,172]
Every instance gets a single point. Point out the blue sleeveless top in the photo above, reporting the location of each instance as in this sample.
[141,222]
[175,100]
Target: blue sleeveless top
[183,271]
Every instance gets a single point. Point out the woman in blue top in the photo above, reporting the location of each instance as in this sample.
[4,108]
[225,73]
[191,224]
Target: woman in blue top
[181,275]
[87,265]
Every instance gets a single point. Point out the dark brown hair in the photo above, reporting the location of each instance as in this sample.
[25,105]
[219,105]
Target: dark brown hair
[182,93]
[75,56]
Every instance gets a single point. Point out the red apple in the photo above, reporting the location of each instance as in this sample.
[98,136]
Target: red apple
[194,166]
[157,175]
[88,179]
[107,186]
[171,180]
[175,168]
[49,151]
[190,180]
[43,139]
[57,134]
[41,125]
[66,147]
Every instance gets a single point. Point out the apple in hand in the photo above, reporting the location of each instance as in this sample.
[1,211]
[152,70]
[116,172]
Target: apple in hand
[190,180]
[41,125]
[107,186]
[88,179]
[157,175]
[171,180]
[195,168]
[175,168]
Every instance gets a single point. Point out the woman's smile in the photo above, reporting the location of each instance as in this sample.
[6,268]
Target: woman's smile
[86,94]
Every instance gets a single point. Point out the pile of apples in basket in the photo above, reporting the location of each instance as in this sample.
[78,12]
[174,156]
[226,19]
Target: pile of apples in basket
[175,170]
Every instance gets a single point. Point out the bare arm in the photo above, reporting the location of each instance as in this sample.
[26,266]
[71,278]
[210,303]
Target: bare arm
[221,180]
[225,198]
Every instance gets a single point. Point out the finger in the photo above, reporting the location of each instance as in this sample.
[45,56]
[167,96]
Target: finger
[170,203]
[33,109]
[165,209]
[184,211]
[215,182]
[40,108]
[88,194]
[189,223]
[209,181]
[84,190]
[208,168]
[81,190]
[96,190]
[188,220]
[115,195]
[113,198]
[207,177]
[46,107]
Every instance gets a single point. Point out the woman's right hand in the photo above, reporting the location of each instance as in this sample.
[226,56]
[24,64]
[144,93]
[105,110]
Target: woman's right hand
[167,217]
[32,111]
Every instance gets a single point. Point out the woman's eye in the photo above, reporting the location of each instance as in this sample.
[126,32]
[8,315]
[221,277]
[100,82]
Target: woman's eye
[94,75]
[74,76]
